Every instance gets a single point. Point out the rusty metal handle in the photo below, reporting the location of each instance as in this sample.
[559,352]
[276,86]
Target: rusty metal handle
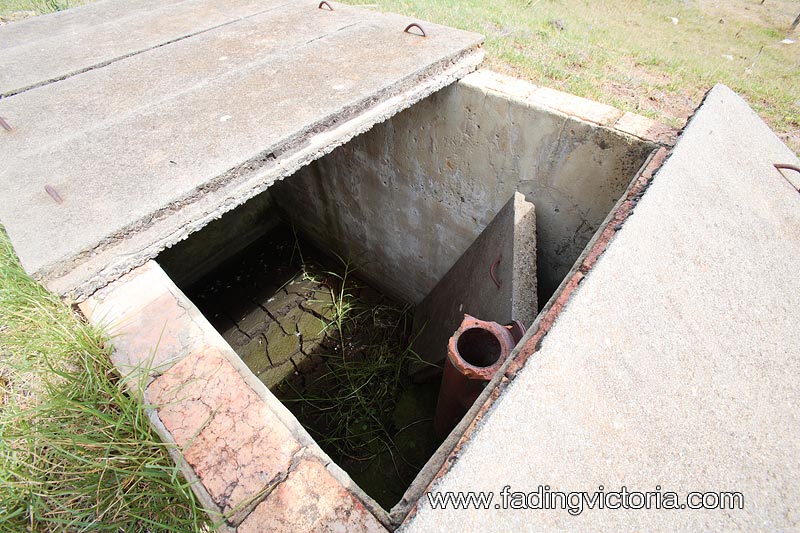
[415,25]
[324,3]
[493,271]
[787,166]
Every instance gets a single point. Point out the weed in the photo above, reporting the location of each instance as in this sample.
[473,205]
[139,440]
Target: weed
[365,369]
[77,450]
[631,55]
[348,391]
[39,7]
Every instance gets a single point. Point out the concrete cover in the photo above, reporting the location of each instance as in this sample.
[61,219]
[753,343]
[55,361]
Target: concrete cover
[504,254]
[675,364]
[145,148]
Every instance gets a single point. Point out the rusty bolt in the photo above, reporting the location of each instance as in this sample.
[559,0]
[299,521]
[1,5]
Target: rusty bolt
[53,194]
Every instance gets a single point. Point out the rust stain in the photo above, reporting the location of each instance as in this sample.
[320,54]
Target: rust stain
[54,194]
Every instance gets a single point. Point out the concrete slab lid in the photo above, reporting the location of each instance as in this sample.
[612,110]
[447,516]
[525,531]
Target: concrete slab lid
[673,365]
[147,137]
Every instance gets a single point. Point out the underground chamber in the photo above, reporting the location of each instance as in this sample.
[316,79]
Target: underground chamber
[341,286]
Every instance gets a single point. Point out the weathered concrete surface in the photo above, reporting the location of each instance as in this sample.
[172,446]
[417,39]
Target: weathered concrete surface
[504,253]
[232,440]
[149,148]
[407,199]
[51,47]
[675,362]
[287,508]
[150,321]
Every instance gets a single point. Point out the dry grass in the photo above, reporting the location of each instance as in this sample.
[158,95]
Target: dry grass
[11,10]
[630,53]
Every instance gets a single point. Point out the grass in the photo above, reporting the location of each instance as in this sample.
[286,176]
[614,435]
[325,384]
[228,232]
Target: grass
[366,370]
[354,395]
[77,450]
[8,8]
[631,55]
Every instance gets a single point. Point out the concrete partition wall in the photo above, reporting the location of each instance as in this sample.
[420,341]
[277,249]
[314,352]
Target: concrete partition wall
[407,198]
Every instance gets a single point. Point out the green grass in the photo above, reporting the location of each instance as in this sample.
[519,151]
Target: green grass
[353,393]
[366,371]
[77,451]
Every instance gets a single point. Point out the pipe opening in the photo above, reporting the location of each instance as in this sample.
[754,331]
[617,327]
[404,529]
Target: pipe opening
[479,347]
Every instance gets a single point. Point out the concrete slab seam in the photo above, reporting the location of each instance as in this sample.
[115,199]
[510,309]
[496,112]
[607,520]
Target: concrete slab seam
[130,54]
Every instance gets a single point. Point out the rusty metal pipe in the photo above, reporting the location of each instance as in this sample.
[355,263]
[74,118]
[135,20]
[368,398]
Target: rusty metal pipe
[475,352]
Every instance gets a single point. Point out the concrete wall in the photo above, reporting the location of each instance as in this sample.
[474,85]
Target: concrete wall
[407,198]
[190,259]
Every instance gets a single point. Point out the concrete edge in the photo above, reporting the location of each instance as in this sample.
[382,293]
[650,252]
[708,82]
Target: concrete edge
[574,107]
[525,270]
[105,305]
[296,428]
[200,492]
[308,445]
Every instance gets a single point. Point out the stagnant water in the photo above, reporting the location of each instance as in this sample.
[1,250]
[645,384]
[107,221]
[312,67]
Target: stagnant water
[334,350]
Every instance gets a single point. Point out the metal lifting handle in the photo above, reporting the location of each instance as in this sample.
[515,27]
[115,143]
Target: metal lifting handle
[415,25]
